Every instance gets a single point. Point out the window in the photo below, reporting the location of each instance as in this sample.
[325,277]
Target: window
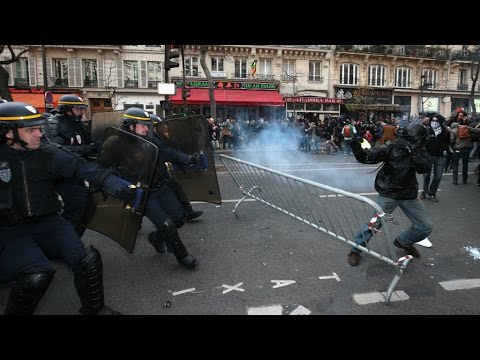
[21,74]
[60,72]
[288,70]
[315,71]
[191,66]
[130,73]
[403,77]
[241,68]
[217,64]
[462,80]
[154,73]
[376,75]
[429,79]
[264,67]
[348,74]
[90,73]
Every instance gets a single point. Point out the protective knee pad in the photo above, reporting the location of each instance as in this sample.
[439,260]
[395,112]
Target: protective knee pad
[27,292]
[88,279]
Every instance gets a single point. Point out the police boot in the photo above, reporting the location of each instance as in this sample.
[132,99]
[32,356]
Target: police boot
[175,245]
[88,278]
[156,239]
[193,214]
[27,293]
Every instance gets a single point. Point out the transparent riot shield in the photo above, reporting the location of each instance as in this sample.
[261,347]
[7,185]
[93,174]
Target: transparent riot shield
[189,134]
[102,120]
[135,158]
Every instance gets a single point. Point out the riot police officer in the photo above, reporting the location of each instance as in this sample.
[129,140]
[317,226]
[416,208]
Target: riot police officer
[31,231]
[67,128]
[171,155]
[163,208]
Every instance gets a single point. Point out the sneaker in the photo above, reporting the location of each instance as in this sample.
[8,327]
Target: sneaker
[353,258]
[423,196]
[433,198]
[410,250]
[454,182]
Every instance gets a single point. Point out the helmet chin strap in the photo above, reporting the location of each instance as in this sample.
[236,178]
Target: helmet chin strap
[16,139]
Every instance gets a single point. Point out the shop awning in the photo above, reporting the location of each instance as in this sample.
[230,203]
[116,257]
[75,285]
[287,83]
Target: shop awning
[36,100]
[231,97]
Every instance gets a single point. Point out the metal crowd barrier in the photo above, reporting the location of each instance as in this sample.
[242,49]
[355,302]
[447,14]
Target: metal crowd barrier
[335,212]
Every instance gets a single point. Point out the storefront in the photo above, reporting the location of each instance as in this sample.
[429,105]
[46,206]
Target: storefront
[36,97]
[367,103]
[306,105]
[243,100]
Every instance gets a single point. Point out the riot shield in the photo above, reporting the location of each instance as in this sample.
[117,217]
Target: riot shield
[189,134]
[135,158]
[102,120]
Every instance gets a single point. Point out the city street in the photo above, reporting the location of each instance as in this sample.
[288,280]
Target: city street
[264,262]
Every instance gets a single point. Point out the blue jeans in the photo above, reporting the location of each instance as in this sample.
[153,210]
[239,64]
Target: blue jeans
[463,154]
[437,163]
[416,212]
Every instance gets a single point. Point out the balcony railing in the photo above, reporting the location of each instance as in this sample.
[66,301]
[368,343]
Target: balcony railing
[21,82]
[131,83]
[265,77]
[315,78]
[90,83]
[419,51]
[462,87]
[61,82]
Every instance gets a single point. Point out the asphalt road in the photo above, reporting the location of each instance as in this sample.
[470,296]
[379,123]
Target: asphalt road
[265,262]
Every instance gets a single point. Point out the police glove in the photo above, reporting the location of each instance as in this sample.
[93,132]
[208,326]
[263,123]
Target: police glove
[194,158]
[127,195]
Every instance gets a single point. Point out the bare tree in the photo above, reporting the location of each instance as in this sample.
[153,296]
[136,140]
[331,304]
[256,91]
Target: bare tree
[211,83]
[112,90]
[475,70]
[4,91]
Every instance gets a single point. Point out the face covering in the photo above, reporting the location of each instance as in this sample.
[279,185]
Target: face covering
[436,127]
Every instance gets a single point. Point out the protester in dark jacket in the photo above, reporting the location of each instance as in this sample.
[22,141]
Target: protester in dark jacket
[396,184]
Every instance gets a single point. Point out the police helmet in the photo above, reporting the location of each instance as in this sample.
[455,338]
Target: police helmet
[133,116]
[155,119]
[416,134]
[67,102]
[15,115]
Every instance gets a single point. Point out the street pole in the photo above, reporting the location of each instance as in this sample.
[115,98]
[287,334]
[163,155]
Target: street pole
[45,78]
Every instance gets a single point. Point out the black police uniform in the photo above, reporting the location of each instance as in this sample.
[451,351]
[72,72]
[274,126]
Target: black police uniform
[71,132]
[32,232]
[163,208]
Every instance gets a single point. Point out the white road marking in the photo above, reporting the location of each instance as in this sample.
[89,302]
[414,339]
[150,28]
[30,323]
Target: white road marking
[183,291]
[379,297]
[231,288]
[300,310]
[265,310]
[334,276]
[460,284]
[281,283]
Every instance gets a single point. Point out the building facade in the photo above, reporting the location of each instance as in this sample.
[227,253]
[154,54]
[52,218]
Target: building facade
[251,81]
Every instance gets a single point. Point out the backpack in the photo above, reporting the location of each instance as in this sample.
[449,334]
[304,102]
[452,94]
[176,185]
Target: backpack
[347,131]
[463,132]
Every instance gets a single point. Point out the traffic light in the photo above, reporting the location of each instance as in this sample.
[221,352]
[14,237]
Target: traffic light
[171,52]
[185,93]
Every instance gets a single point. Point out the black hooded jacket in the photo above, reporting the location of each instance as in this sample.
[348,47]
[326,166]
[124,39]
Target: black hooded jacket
[397,177]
